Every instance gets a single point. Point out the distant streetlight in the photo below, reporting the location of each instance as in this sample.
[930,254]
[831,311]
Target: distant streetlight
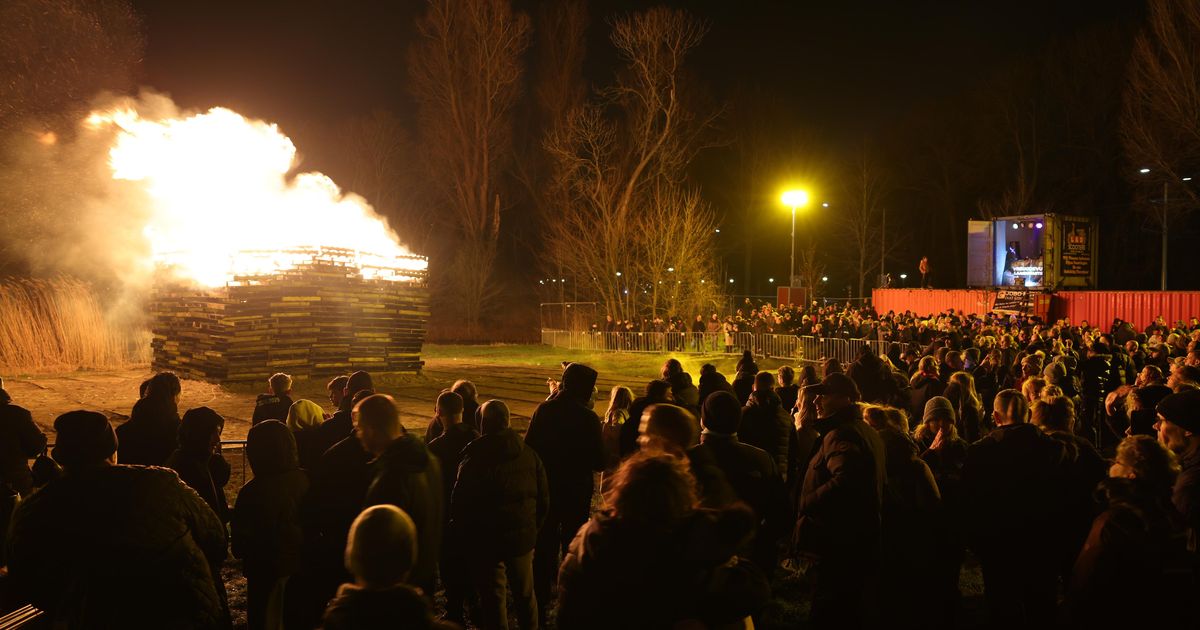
[1143,171]
[904,276]
[824,278]
[718,230]
[825,204]
[618,274]
[670,269]
[794,199]
[771,280]
[731,281]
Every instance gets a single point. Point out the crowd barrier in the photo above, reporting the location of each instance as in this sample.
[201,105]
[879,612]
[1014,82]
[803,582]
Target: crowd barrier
[799,348]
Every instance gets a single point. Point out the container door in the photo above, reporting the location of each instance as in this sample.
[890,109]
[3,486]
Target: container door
[980,257]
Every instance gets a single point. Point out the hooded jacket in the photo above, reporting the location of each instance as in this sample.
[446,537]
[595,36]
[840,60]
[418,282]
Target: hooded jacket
[765,425]
[711,383]
[118,547]
[448,447]
[409,477]
[400,606]
[685,393]
[265,529]
[566,435]
[149,436]
[500,499]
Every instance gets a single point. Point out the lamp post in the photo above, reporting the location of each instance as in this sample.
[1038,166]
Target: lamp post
[1165,216]
[794,199]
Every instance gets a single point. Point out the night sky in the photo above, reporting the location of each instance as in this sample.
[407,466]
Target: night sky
[851,70]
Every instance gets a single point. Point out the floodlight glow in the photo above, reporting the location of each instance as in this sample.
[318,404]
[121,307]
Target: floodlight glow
[795,198]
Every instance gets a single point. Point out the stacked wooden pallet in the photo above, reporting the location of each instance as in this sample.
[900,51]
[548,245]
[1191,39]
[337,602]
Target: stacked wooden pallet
[313,320]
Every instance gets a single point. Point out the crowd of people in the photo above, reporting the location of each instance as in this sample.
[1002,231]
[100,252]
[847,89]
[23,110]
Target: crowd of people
[1064,459]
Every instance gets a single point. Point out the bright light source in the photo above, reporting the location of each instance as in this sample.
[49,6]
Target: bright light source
[1187,179]
[541,282]
[795,198]
[701,282]
[731,281]
[626,291]
[771,280]
[1143,171]
[718,230]
[825,205]
[1016,225]
[618,274]
[1038,225]
[824,278]
[562,279]
[670,269]
[903,276]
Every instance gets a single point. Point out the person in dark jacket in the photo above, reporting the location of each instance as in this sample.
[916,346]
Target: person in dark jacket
[500,500]
[787,389]
[448,447]
[20,441]
[765,424]
[924,385]
[871,375]
[340,425]
[1122,563]
[683,392]
[565,433]
[743,381]
[109,546]
[198,460]
[1179,429]
[151,434]
[1015,479]
[840,505]
[381,551]
[467,392]
[749,473]
[275,403]
[265,527]
[406,475]
[657,392]
[711,381]
[655,561]
[945,453]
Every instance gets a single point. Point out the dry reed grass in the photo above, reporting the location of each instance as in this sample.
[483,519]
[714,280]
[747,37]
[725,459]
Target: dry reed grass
[59,325]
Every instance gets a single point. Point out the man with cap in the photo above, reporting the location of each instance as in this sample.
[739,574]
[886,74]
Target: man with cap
[108,546]
[1178,429]
[840,504]
[565,433]
[721,461]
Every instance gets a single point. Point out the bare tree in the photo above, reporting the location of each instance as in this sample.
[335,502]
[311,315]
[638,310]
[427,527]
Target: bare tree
[465,72]
[810,267]
[620,164]
[862,216]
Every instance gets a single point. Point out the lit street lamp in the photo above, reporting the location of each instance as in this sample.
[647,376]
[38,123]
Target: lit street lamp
[794,199]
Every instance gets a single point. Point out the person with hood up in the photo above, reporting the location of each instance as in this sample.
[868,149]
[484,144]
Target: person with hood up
[712,381]
[304,419]
[151,434]
[448,447]
[765,424]
[381,551]
[500,500]
[658,392]
[743,381]
[566,434]
[404,474]
[114,546]
[683,392]
[265,528]
[873,378]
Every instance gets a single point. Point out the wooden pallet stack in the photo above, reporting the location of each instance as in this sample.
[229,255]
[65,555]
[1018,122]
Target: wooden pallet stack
[317,319]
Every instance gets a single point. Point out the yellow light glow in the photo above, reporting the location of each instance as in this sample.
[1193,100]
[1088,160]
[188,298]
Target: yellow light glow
[795,198]
[222,203]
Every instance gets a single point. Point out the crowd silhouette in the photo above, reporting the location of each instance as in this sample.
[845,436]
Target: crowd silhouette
[1063,460]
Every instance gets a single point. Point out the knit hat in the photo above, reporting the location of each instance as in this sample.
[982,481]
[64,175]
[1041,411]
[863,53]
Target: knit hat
[304,414]
[1182,409]
[382,546]
[83,438]
[579,378]
[939,406]
[721,412]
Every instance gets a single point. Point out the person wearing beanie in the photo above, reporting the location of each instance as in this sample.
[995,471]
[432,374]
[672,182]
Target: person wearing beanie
[840,504]
[566,434]
[448,447]
[114,546]
[404,474]
[381,551]
[304,419]
[265,527]
[1178,429]
[501,498]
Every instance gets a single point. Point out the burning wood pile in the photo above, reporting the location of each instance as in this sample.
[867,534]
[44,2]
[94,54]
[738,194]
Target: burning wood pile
[315,319]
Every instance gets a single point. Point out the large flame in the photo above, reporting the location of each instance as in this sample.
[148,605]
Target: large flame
[222,204]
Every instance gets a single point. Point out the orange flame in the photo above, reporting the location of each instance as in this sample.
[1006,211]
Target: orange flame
[222,205]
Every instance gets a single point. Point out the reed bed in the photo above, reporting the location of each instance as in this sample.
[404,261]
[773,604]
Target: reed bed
[60,325]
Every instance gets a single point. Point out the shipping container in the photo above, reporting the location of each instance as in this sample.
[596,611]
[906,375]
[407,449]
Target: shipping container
[1139,308]
[1042,251]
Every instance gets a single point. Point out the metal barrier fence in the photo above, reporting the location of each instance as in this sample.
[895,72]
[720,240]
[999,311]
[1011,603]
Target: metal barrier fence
[801,349]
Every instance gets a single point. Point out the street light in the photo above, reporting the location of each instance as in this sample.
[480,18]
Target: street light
[794,199]
[824,278]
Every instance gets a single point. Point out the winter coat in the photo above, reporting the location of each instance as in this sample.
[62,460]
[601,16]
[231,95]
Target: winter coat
[270,407]
[921,388]
[872,377]
[500,499]
[1014,480]
[20,441]
[618,574]
[743,383]
[409,477]
[118,547]
[684,392]
[150,435]
[788,395]
[565,433]
[448,447]
[766,425]
[633,426]
[206,473]
[841,500]
[400,606]
[337,487]
[712,383]
[1186,496]
[265,528]
[1085,468]
[1121,565]
[309,446]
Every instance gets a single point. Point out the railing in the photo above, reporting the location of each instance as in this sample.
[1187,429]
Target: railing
[803,349]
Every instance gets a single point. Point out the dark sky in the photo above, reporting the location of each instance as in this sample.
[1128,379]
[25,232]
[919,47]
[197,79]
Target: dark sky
[854,66]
